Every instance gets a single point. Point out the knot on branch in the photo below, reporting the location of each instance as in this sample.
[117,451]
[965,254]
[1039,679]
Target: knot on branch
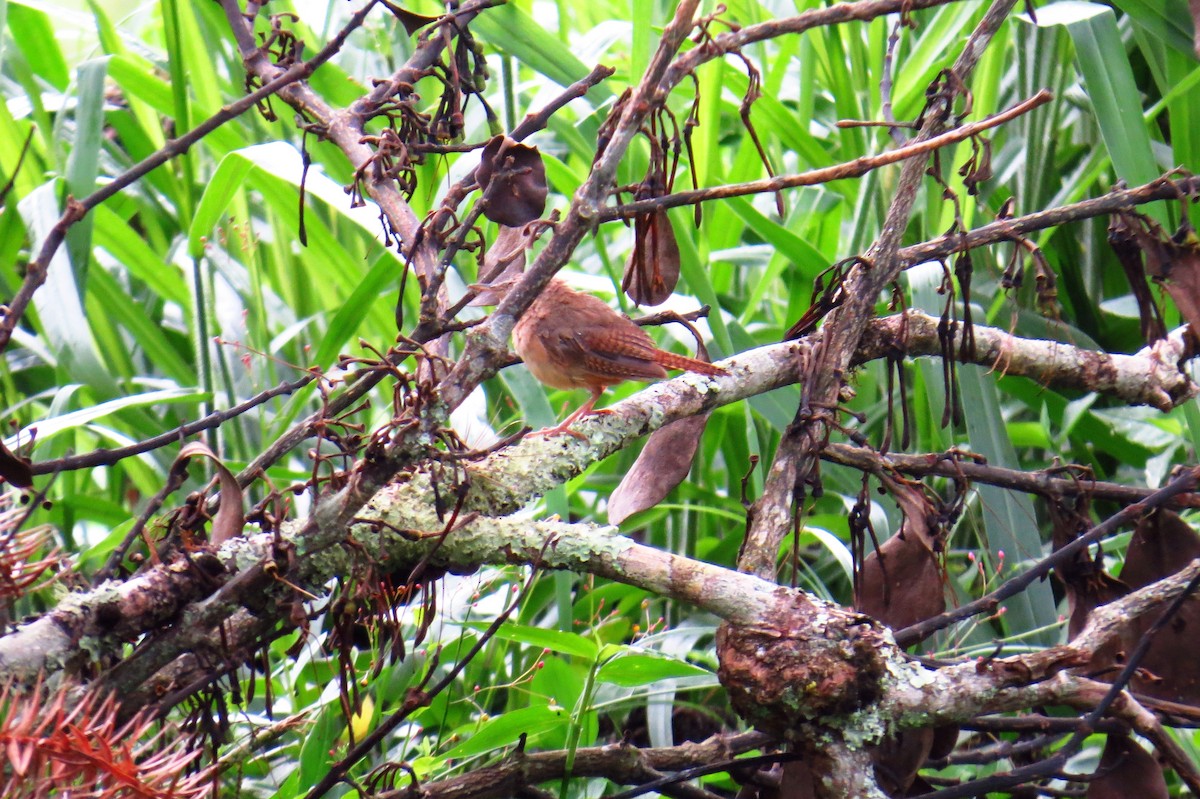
[811,660]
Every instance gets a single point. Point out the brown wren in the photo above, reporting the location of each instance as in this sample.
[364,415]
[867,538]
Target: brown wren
[569,340]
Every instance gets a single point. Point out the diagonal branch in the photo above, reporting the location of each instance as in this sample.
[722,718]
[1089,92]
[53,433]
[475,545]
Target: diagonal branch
[796,460]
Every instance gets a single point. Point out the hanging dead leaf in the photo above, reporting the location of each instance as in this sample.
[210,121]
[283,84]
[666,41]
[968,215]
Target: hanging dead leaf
[1129,255]
[230,518]
[1084,580]
[662,464]
[652,270]
[1125,770]
[1173,261]
[898,758]
[901,582]
[791,780]
[1162,544]
[945,738]
[513,179]
[503,263]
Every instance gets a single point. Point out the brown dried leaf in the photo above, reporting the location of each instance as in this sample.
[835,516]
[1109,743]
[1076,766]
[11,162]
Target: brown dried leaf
[898,758]
[1125,770]
[503,263]
[1173,261]
[662,464]
[1161,545]
[1124,244]
[901,582]
[14,468]
[945,738]
[1086,583]
[513,179]
[230,518]
[796,781]
[653,267]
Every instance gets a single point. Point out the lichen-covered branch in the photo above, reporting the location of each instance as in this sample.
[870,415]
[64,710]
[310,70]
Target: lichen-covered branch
[509,479]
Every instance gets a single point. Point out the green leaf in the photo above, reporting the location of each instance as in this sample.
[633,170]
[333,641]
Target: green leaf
[226,182]
[1009,517]
[52,426]
[1166,20]
[508,728]
[1108,78]
[59,303]
[635,668]
[554,640]
[33,31]
[83,163]
[315,753]
[515,33]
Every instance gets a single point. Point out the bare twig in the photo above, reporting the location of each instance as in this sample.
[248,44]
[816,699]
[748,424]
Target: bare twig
[107,457]
[616,763]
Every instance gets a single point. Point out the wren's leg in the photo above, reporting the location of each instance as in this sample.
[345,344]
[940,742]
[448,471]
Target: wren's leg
[584,410]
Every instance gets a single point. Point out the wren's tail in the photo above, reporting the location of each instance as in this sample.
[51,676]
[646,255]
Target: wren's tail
[673,361]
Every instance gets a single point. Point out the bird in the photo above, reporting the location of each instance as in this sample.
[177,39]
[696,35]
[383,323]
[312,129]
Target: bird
[569,339]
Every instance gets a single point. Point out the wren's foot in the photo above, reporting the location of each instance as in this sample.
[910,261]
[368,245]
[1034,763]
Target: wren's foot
[557,430]
[564,427]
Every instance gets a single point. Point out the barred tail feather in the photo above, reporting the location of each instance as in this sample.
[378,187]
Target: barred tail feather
[673,361]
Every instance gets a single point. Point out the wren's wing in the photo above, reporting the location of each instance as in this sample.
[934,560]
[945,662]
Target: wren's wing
[608,355]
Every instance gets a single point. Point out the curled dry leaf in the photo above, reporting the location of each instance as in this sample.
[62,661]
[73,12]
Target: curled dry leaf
[513,179]
[1124,244]
[898,757]
[1162,545]
[411,21]
[901,582]
[662,464]
[652,271]
[14,468]
[793,779]
[1127,770]
[230,518]
[900,585]
[1173,261]
[1084,580]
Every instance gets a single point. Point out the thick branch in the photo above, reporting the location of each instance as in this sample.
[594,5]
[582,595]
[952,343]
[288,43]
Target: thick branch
[508,480]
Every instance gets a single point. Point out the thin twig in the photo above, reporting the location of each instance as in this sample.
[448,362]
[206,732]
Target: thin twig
[848,169]
[108,457]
